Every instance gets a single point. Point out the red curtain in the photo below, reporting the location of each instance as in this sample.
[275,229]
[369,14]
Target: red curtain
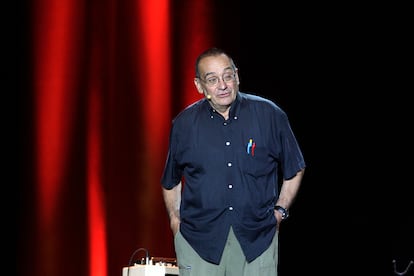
[107,78]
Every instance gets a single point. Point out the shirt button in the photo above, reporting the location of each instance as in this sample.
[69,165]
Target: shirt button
[230,186]
[235,117]
[227,143]
[231,208]
[229,164]
[224,124]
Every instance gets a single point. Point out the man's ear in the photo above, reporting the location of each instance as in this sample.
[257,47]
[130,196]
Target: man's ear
[198,86]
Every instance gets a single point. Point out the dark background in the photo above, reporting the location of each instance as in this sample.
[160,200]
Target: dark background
[343,73]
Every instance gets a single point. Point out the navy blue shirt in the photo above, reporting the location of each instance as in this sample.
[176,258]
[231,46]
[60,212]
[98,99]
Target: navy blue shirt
[230,171]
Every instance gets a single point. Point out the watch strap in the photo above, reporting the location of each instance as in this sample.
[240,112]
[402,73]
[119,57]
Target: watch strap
[283,211]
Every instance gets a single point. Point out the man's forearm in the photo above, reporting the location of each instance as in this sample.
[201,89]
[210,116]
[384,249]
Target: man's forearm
[289,190]
[172,199]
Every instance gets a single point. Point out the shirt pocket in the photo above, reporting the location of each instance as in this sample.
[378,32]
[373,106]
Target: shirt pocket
[258,164]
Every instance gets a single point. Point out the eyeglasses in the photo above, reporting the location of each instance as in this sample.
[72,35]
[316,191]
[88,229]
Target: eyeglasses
[213,81]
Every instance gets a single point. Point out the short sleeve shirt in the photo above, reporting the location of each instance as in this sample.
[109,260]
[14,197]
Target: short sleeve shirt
[230,171]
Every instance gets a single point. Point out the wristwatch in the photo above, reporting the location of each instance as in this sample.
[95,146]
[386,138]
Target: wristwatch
[283,211]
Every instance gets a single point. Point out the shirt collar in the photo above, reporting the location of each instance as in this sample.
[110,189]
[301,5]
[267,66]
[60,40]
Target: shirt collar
[234,107]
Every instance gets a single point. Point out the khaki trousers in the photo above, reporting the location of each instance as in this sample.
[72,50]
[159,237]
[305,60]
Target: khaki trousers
[233,262]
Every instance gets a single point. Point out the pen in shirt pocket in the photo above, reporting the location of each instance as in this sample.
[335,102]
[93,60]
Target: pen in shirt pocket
[250,147]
